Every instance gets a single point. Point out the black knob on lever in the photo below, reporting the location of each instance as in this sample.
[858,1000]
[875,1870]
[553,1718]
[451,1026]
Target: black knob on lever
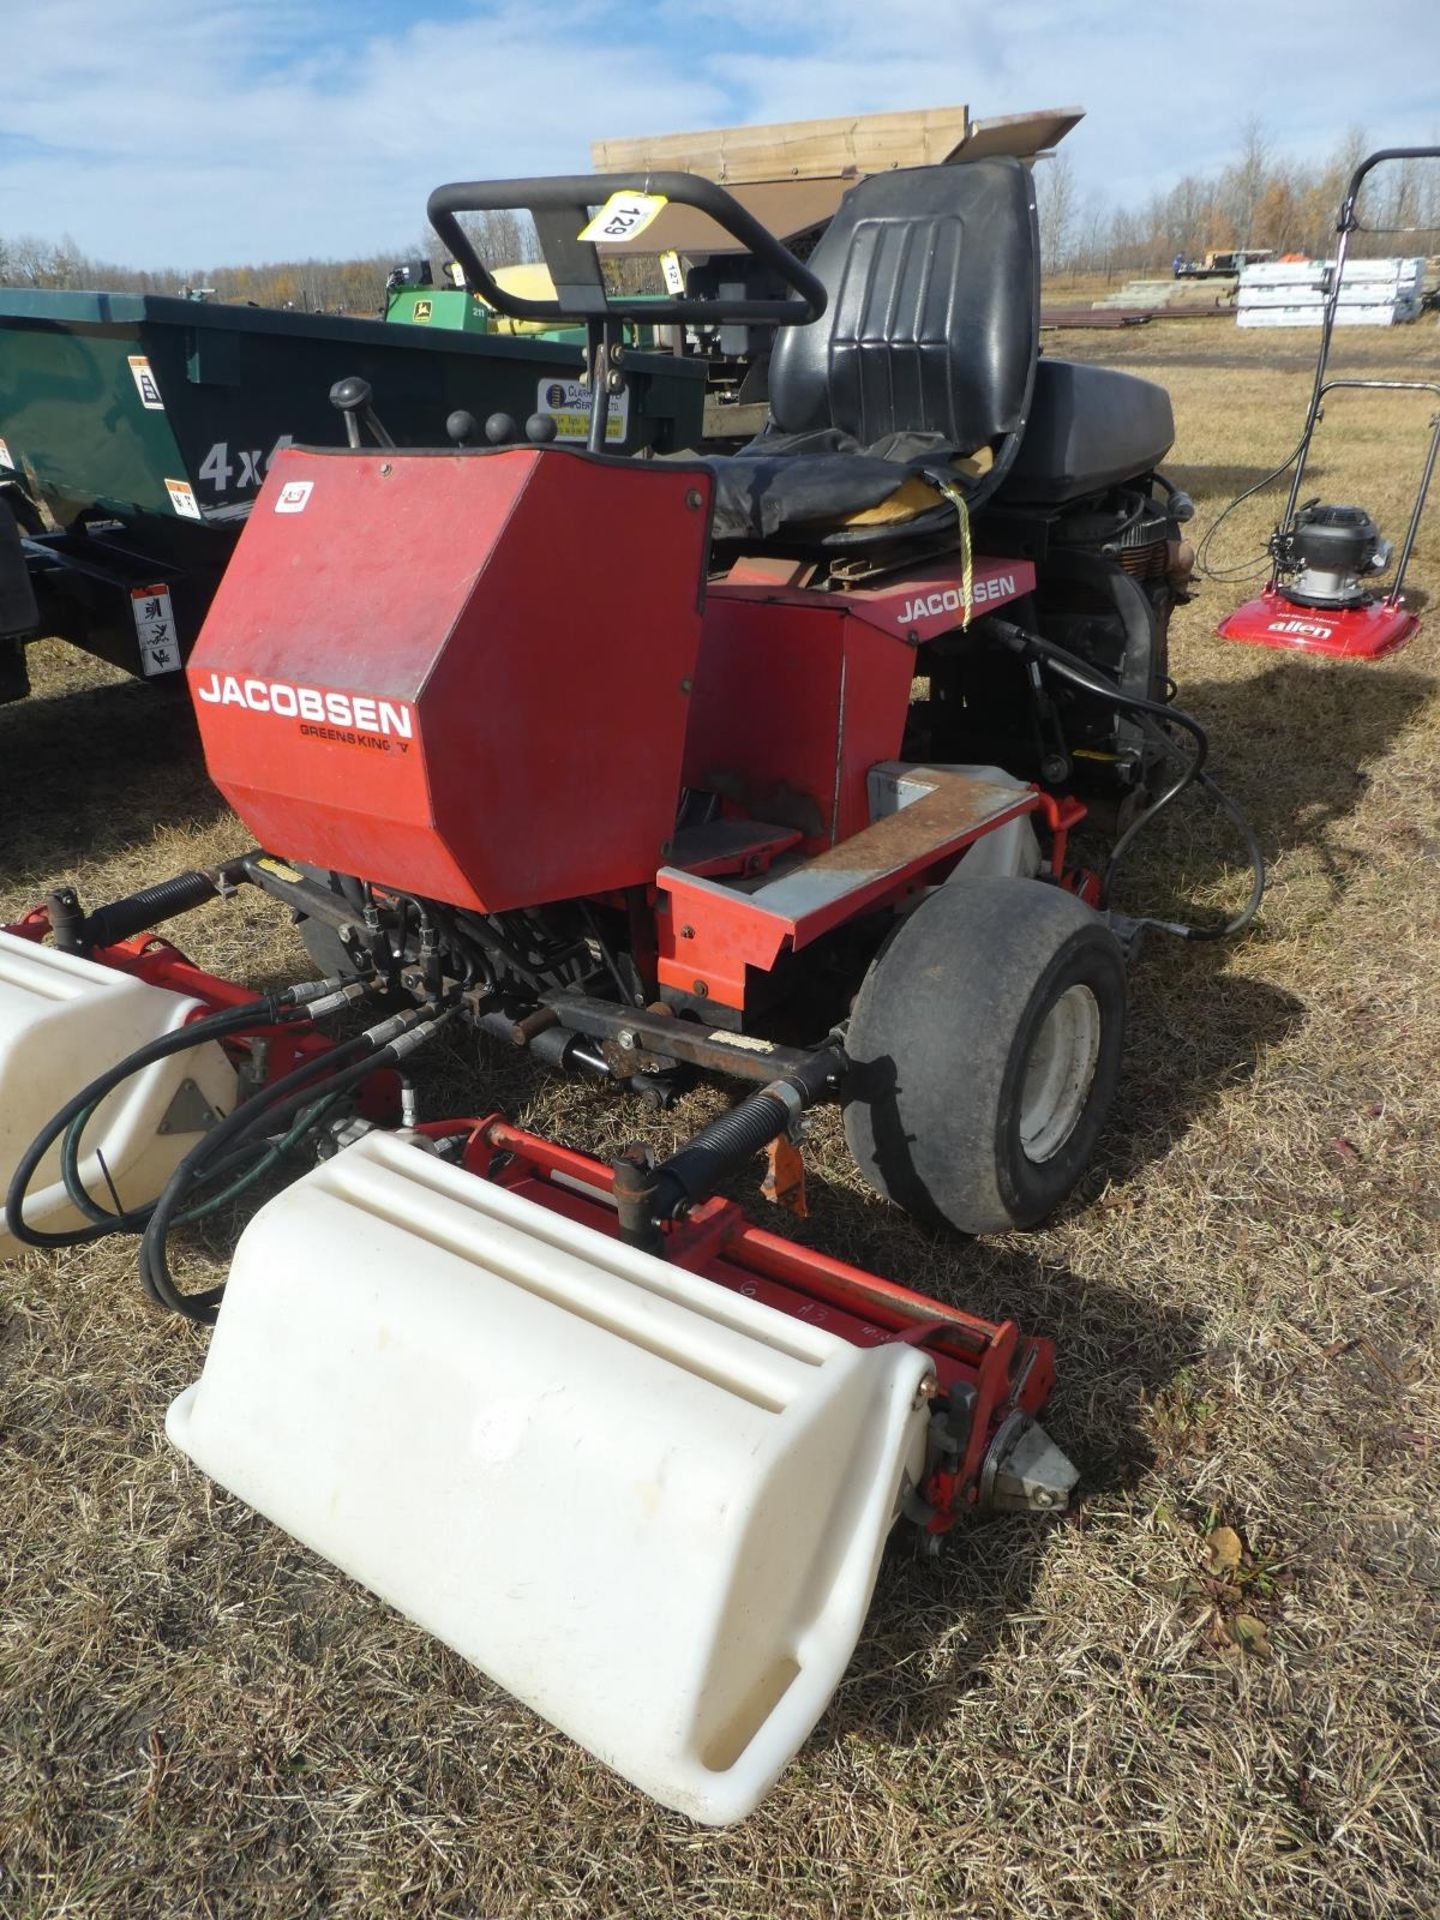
[540,429]
[351,396]
[461,428]
[500,429]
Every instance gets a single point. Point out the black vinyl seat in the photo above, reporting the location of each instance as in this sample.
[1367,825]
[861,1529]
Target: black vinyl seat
[924,360]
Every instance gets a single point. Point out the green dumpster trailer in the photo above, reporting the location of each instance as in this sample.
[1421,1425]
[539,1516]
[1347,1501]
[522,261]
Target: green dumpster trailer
[135,430]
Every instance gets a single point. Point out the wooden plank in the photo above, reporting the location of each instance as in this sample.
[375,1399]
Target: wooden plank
[795,149]
[1026,135]
[1078,318]
[729,420]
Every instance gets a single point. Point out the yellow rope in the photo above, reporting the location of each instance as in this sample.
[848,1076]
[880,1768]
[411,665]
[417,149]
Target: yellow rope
[967,554]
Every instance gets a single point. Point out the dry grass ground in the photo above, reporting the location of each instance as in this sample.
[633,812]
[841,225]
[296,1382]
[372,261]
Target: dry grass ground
[199,1718]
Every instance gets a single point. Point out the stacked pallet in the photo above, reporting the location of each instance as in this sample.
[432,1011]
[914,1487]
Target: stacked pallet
[1291,293]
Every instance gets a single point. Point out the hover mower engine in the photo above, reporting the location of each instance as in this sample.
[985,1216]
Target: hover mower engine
[1318,598]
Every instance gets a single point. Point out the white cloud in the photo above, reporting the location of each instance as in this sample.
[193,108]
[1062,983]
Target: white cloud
[195,132]
[185,139]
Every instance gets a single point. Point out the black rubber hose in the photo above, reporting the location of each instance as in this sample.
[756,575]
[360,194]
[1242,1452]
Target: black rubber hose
[1192,773]
[1192,768]
[258,1153]
[702,1163]
[1246,569]
[1071,667]
[1256,856]
[696,1169]
[338,1071]
[155,1274]
[215,1026]
[137,912]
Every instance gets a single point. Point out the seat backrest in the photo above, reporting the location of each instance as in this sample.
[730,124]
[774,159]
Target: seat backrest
[933,322]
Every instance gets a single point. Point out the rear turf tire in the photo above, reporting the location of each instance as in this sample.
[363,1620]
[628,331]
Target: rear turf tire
[985,1048]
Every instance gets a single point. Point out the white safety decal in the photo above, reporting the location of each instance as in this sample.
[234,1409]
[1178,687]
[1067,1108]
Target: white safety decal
[145,384]
[155,630]
[568,404]
[182,499]
[294,496]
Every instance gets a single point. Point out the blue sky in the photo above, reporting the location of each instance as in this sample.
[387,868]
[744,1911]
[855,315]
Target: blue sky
[198,132]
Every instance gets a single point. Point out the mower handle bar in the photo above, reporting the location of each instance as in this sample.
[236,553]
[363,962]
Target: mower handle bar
[1347,213]
[553,197]
[1344,227]
[1427,473]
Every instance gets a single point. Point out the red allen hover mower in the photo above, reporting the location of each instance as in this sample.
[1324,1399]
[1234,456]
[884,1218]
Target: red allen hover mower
[1319,598]
[764,768]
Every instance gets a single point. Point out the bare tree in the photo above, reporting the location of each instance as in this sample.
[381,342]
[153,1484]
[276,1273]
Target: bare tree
[1244,183]
[1189,210]
[1055,195]
[1092,246]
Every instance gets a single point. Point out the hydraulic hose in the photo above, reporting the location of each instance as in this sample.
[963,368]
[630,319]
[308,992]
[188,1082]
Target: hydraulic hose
[1256,857]
[1071,667]
[318,1083]
[273,1151]
[216,1026]
[1192,773]
[306,1001]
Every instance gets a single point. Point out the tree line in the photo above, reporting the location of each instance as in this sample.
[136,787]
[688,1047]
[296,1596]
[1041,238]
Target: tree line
[355,287]
[1261,199]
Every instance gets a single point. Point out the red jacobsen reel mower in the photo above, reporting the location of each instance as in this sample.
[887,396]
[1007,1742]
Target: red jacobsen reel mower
[1319,598]
[765,767]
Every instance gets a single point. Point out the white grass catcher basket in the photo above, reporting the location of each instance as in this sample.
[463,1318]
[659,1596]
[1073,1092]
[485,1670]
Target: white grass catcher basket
[651,1508]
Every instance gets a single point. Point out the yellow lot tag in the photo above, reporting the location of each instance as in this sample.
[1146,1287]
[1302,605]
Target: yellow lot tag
[624,217]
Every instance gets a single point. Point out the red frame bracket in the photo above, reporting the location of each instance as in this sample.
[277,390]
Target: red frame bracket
[992,1368]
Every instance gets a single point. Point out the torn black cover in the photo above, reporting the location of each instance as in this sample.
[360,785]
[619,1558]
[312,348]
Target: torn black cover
[785,481]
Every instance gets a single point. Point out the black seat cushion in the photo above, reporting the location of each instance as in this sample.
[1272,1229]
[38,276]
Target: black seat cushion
[1090,428]
[933,322]
[925,353]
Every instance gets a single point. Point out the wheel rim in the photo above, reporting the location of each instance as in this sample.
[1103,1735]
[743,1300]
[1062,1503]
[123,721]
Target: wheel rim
[1059,1073]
